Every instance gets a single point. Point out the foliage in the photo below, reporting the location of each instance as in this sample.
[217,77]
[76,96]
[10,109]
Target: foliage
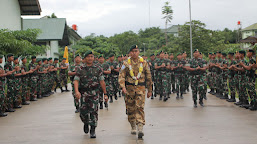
[168,12]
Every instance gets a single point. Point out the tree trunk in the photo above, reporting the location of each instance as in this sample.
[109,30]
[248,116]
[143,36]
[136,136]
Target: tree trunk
[166,36]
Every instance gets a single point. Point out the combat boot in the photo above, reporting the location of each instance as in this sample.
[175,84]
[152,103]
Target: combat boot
[111,100]
[181,96]
[24,102]
[61,89]
[232,98]
[17,106]
[92,132]
[165,98]
[224,97]
[195,104]
[54,89]
[2,114]
[77,109]
[86,128]
[152,97]
[10,110]
[246,104]
[253,107]
[140,130]
[201,103]
[177,96]
[101,105]
[160,97]
[119,94]
[210,91]
[116,97]
[66,89]
[133,128]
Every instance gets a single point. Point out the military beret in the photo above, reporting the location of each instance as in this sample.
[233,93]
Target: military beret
[63,58]
[125,55]
[251,50]
[15,58]
[210,53]
[22,58]
[231,53]
[44,59]
[9,55]
[152,55]
[214,53]
[224,54]
[196,50]
[161,52]
[133,47]
[179,54]
[50,59]
[88,53]
[219,52]
[33,57]
[1,56]
[38,60]
[77,55]
[111,55]
[242,52]
[56,59]
[119,56]
[101,56]
[143,55]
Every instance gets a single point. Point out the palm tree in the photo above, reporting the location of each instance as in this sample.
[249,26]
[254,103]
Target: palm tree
[168,12]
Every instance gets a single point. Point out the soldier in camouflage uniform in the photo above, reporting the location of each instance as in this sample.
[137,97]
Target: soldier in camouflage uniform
[187,76]
[40,78]
[151,64]
[72,73]
[24,81]
[135,88]
[51,75]
[204,74]
[33,77]
[168,74]
[223,67]
[250,79]
[114,77]
[120,62]
[232,77]
[44,78]
[195,66]
[10,69]
[213,69]
[106,73]
[17,84]
[56,77]
[63,76]
[86,84]
[219,87]
[243,97]
[155,77]
[2,89]
[179,75]
[161,65]
[172,75]
[209,74]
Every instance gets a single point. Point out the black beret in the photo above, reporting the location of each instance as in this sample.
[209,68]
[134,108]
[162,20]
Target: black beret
[161,52]
[133,47]
[1,56]
[77,55]
[125,55]
[50,59]
[224,54]
[251,50]
[210,53]
[88,53]
[242,52]
[63,58]
[196,50]
[44,59]
[101,56]
[15,58]
[179,54]
[9,55]
[152,55]
[33,57]
[231,53]
[23,58]
[119,56]
[219,52]
[157,54]
[38,60]
[56,59]
[214,53]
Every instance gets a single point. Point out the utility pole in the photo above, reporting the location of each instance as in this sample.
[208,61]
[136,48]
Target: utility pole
[191,40]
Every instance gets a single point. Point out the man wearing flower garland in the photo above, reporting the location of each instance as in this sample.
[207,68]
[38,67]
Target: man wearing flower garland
[134,77]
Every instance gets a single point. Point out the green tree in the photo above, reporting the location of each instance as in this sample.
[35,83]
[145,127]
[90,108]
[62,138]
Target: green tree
[168,12]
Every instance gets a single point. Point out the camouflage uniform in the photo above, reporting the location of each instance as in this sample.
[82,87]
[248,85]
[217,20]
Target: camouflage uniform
[10,83]
[180,77]
[63,76]
[114,78]
[56,77]
[73,68]
[204,74]
[219,87]
[153,71]
[17,88]
[33,81]
[168,75]
[40,89]
[225,79]
[2,92]
[24,83]
[89,80]
[162,81]
[44,80]
[251,82]
[243,85]
[232,81]
[187,77]
[135,96]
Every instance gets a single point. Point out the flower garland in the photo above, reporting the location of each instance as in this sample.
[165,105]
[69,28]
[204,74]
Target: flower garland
[140,69]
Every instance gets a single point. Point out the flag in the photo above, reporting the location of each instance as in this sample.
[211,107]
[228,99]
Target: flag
[66,55]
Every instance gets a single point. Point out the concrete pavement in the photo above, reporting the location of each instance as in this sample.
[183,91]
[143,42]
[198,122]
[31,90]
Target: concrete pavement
[52,121]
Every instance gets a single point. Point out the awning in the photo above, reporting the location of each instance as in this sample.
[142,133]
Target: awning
[30,7]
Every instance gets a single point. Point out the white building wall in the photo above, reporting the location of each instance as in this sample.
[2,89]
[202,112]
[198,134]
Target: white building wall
[10,15]
[54,48]
[246,34]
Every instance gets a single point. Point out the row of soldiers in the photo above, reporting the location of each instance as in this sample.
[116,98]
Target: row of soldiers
[20,83]
[223,73]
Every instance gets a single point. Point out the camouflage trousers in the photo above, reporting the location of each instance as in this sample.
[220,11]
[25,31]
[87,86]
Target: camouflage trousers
[251,88]
[109,87]
[180,83]
[24,91]
[135,103]
[197,85]
[219,82]
[33,86]
[213,80]
[232,85]
[40,85]
[172,81]
[89,107]
[76,101]
[205,83]
[17,91]
[209,81]
[168,75]
[156,84]
[10,93]
[2,96]
[242,87]
[57,81]
[63,79]
[187,80]
[225,84]
[115,84]
[162,83]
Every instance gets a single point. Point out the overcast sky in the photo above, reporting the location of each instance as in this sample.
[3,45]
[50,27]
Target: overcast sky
[109,17]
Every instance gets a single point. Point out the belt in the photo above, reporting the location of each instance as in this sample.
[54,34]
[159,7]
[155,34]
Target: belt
[141,84]
[89,89]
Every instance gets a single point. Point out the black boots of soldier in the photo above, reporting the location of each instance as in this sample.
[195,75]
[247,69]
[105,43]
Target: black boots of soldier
[2,114]
[181,96]
[253,106]
[111,99]
[200,102]
[66,89]
[24,102]
[101,105]
[92,130]
[232,98]
[77,109]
